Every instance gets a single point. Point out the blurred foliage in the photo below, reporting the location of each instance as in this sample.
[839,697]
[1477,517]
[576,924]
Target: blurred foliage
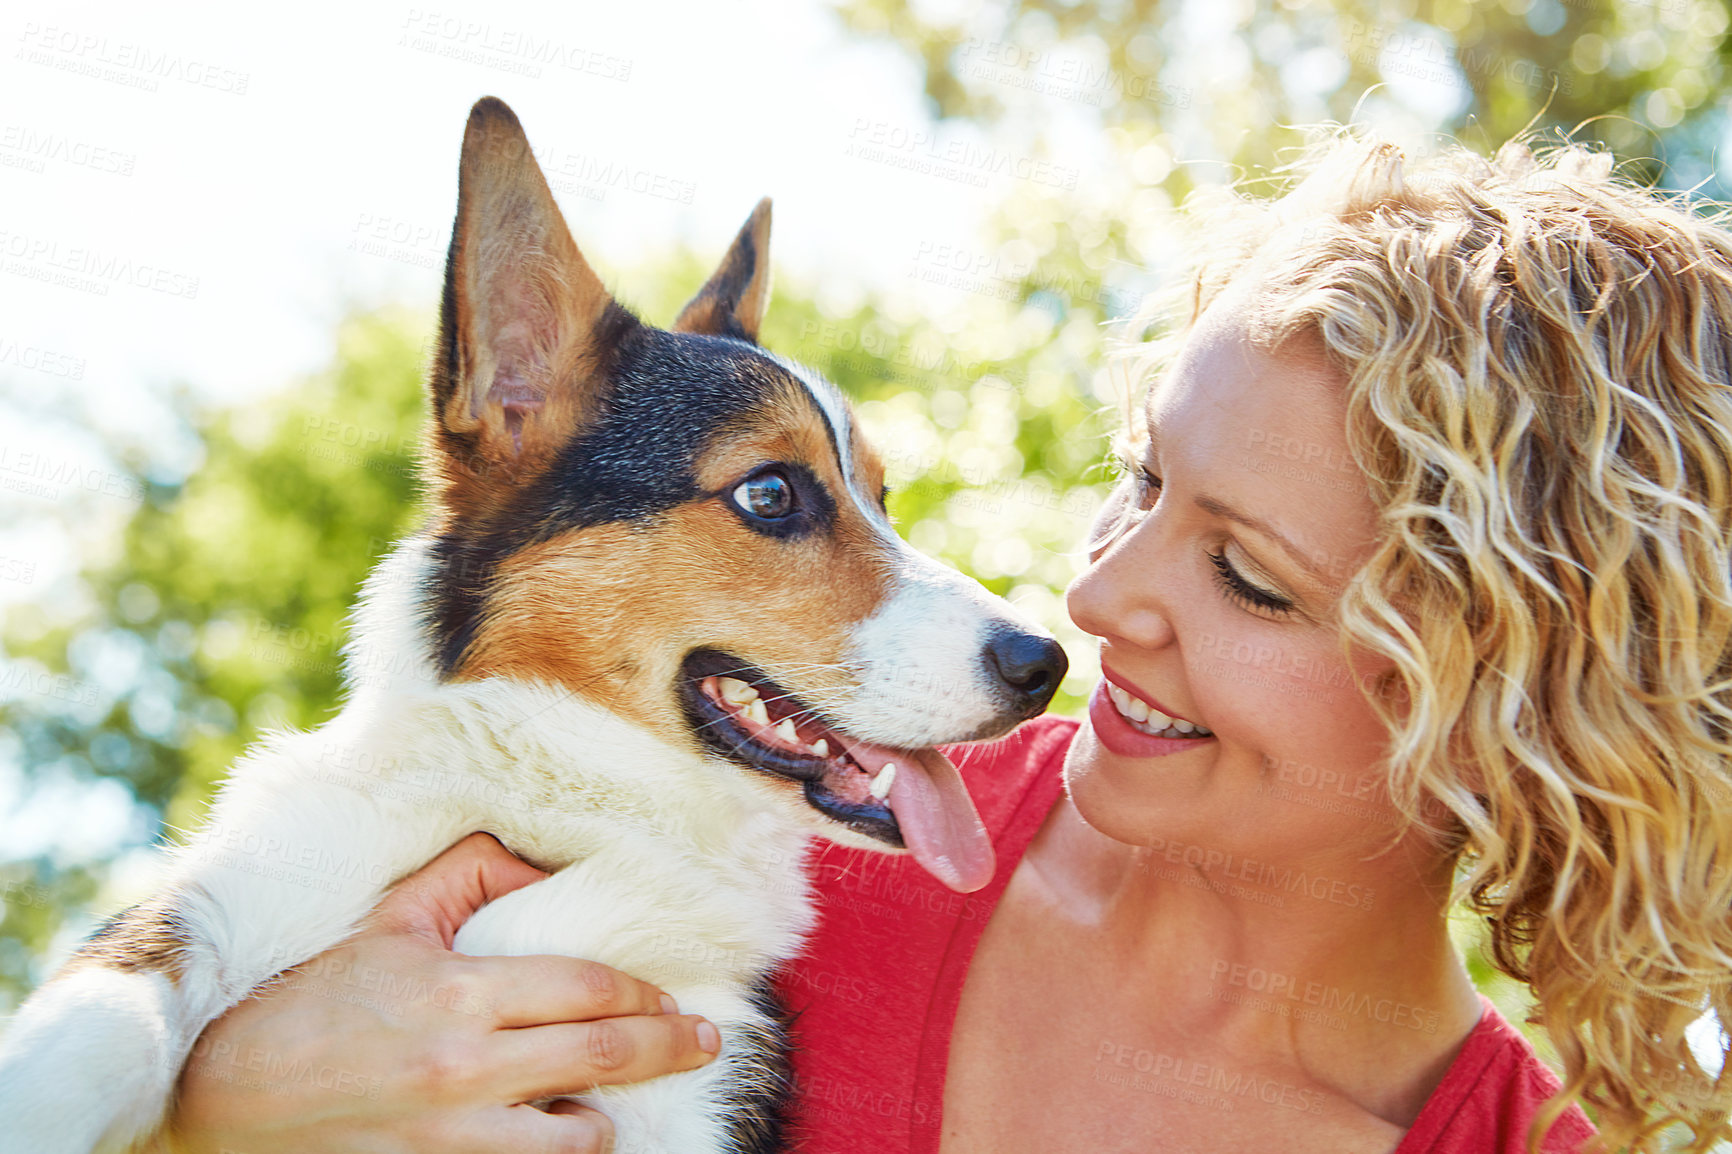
[220,616]
[1225,81]
[1149,101]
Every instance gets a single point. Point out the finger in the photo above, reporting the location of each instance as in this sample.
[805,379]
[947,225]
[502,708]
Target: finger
[544,989]
[435,901]
[569,1058]
[526,1130]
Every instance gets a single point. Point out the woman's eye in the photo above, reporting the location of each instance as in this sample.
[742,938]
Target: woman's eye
[1141,485]
[767,495]
[1145,485]
[1238,588]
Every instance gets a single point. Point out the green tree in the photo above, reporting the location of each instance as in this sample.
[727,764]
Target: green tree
[226,600]
[1641,76]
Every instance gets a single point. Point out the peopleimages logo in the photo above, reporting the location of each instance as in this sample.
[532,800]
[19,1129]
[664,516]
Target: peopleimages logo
[41,360]
[508,49]
[140,66]
[1151,1070]
[1275,985]
[38,147]
[1225,866]
[89,269]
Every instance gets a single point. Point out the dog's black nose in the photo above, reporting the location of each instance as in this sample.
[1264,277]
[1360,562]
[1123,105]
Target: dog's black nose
[1029,666]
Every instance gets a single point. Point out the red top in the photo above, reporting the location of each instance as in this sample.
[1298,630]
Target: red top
[1489,1097]
[893,946]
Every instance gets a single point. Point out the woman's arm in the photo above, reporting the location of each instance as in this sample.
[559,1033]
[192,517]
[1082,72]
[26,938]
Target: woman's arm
[391,1042]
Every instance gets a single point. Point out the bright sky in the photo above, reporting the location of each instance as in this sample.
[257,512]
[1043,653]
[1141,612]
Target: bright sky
[244,166]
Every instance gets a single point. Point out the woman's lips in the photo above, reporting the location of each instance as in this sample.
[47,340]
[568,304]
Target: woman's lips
[1129,689]
[1119,736]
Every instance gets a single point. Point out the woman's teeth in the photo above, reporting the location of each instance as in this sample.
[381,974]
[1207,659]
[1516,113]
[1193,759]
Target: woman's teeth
[1152,721]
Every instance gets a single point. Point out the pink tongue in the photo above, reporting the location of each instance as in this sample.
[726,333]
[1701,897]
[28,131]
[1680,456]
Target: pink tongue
[936,815]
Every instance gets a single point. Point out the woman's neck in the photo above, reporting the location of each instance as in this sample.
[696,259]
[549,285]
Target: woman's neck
[1346,965]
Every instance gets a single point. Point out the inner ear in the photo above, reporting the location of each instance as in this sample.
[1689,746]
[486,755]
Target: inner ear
[526,326]
[732,302]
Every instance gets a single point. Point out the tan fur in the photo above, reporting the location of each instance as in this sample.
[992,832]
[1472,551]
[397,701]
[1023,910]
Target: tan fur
[868,469]
[145,937]
[609,612]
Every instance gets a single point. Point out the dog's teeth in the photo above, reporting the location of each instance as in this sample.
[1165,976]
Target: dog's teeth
[756,712]
[736,692]
[821,748]
[880,787]
[786,731]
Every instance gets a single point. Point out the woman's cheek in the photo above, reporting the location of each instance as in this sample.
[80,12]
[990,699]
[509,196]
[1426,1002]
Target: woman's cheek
[1253,679]
[1289,701]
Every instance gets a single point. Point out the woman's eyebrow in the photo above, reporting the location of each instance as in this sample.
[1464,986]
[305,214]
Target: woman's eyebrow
[1227,512]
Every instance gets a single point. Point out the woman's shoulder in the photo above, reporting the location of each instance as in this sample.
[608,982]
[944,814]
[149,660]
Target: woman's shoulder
[1489,1097]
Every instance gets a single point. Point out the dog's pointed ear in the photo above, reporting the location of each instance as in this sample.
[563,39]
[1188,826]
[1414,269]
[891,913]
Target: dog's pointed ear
[732,303]
[526,328]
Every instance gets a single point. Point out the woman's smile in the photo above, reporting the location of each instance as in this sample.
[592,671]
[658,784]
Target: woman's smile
[1130,725]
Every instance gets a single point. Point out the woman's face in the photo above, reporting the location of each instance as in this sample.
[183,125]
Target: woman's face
[1215,606]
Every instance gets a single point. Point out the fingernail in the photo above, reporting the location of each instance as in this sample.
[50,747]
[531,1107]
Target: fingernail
[669,1006]
[709,1040]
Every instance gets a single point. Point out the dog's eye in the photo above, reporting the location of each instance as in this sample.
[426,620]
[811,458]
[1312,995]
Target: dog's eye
[767,495]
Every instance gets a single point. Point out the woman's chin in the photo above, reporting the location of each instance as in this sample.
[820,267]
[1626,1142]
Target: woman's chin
[1128,799]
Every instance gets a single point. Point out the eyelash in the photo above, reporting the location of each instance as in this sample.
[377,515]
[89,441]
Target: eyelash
[1242,591]
[1143,482]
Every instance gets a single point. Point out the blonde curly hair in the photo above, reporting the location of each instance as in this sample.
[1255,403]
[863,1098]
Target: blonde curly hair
[1538,357]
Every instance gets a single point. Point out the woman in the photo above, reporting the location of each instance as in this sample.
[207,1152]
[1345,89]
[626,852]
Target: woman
[1420,572]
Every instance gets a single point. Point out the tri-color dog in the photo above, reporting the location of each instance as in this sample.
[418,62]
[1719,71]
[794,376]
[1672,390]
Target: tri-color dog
[657,634]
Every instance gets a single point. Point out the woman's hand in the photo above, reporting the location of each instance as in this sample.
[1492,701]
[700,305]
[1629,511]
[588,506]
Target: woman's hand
[392,1043]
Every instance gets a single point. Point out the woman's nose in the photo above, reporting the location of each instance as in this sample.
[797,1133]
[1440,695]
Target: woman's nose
[1119,595]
